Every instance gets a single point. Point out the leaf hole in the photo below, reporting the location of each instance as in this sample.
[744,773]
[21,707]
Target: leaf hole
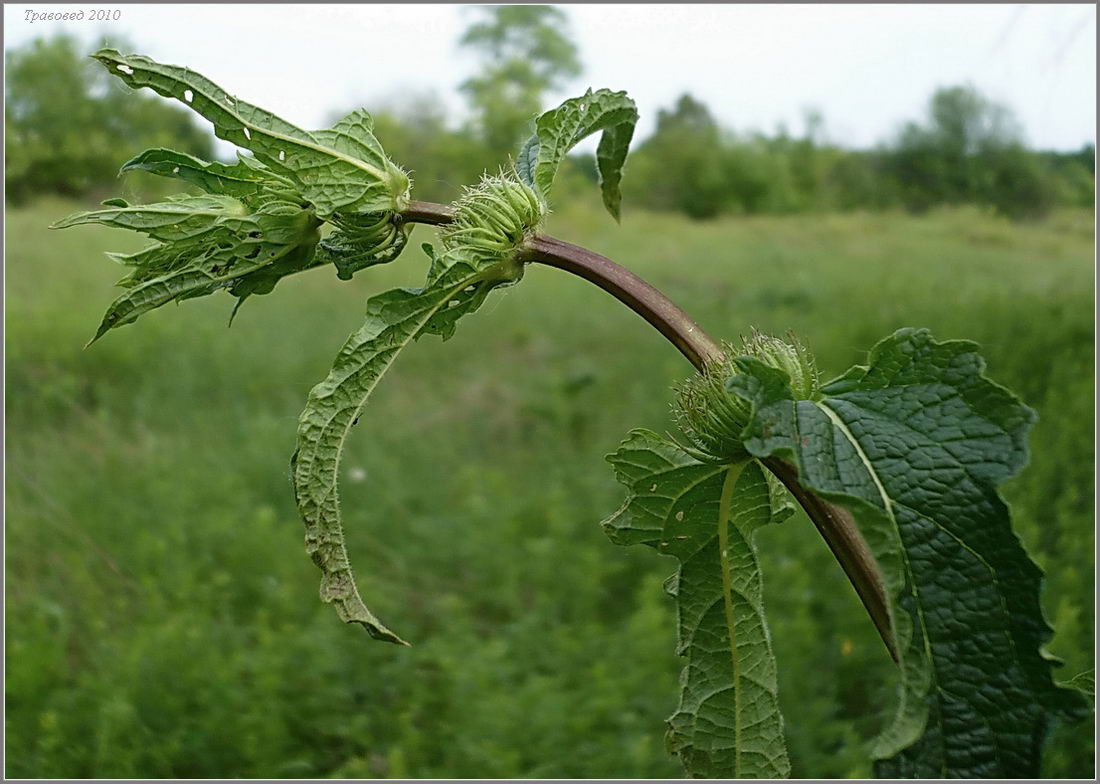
[282,155]
[188,96]
[453,303]
[126,69]
[247,134]
[175,170]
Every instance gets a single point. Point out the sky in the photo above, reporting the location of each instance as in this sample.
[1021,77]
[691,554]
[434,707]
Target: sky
[866,68]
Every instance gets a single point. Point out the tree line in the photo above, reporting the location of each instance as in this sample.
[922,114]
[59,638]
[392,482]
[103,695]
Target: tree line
[69,128]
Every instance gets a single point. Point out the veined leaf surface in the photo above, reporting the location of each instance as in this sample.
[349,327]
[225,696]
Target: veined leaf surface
[728,722]
[457,285]
[237,180]
[342,169]
[914,445]
[560,130]
[205,243]
[182,218]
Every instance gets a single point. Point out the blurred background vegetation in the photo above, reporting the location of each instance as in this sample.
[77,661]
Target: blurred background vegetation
[162,618]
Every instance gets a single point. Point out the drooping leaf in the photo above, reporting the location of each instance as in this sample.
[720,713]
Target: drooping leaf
[457,284]
[238,180]
[342,169]
[914,444]
[704,514]
[560,130]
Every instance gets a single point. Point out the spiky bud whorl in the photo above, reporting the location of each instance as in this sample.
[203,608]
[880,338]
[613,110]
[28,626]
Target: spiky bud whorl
[714,418]
[493,218]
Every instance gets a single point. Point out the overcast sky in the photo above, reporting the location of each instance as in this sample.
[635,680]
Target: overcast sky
[868,68]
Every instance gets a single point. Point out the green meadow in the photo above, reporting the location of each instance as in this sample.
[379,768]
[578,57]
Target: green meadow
[163,617]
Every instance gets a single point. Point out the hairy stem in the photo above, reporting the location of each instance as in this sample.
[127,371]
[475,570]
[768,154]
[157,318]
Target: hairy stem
[833,522]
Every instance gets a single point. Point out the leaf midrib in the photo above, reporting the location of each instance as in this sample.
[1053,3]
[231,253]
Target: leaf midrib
[724,512]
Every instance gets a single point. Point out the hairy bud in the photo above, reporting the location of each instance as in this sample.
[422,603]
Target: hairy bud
[788,355]
[714,418]
[494,218]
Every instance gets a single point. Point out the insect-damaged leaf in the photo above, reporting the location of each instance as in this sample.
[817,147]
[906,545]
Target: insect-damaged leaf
[341,169]
[728,722]
[237,180]
[914,444]
[560,130]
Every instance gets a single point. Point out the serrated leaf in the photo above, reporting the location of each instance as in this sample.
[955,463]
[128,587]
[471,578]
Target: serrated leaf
[914,444]
[728,722]
[343,169]
[560,130]
[205,245]
[237,180]
[182,218]
[457,285]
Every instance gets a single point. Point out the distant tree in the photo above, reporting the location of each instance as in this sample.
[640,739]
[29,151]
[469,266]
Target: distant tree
[681,167]
[70,125]
[526,52]
[970,151]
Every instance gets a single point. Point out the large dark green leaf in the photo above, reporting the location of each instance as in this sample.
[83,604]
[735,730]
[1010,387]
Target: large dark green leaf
[915,443]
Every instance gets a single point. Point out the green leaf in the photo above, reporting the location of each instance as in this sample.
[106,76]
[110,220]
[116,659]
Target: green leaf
[342,169]
[239,180]
[1085,683]
[457,284]
[206,244]
[560,130]
[704,514]
[182,218]
[914,444]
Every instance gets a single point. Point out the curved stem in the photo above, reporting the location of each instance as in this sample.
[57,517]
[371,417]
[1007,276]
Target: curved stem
[649,303]
[834,522]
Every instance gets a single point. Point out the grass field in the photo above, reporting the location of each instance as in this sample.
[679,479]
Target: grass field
[162,616]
